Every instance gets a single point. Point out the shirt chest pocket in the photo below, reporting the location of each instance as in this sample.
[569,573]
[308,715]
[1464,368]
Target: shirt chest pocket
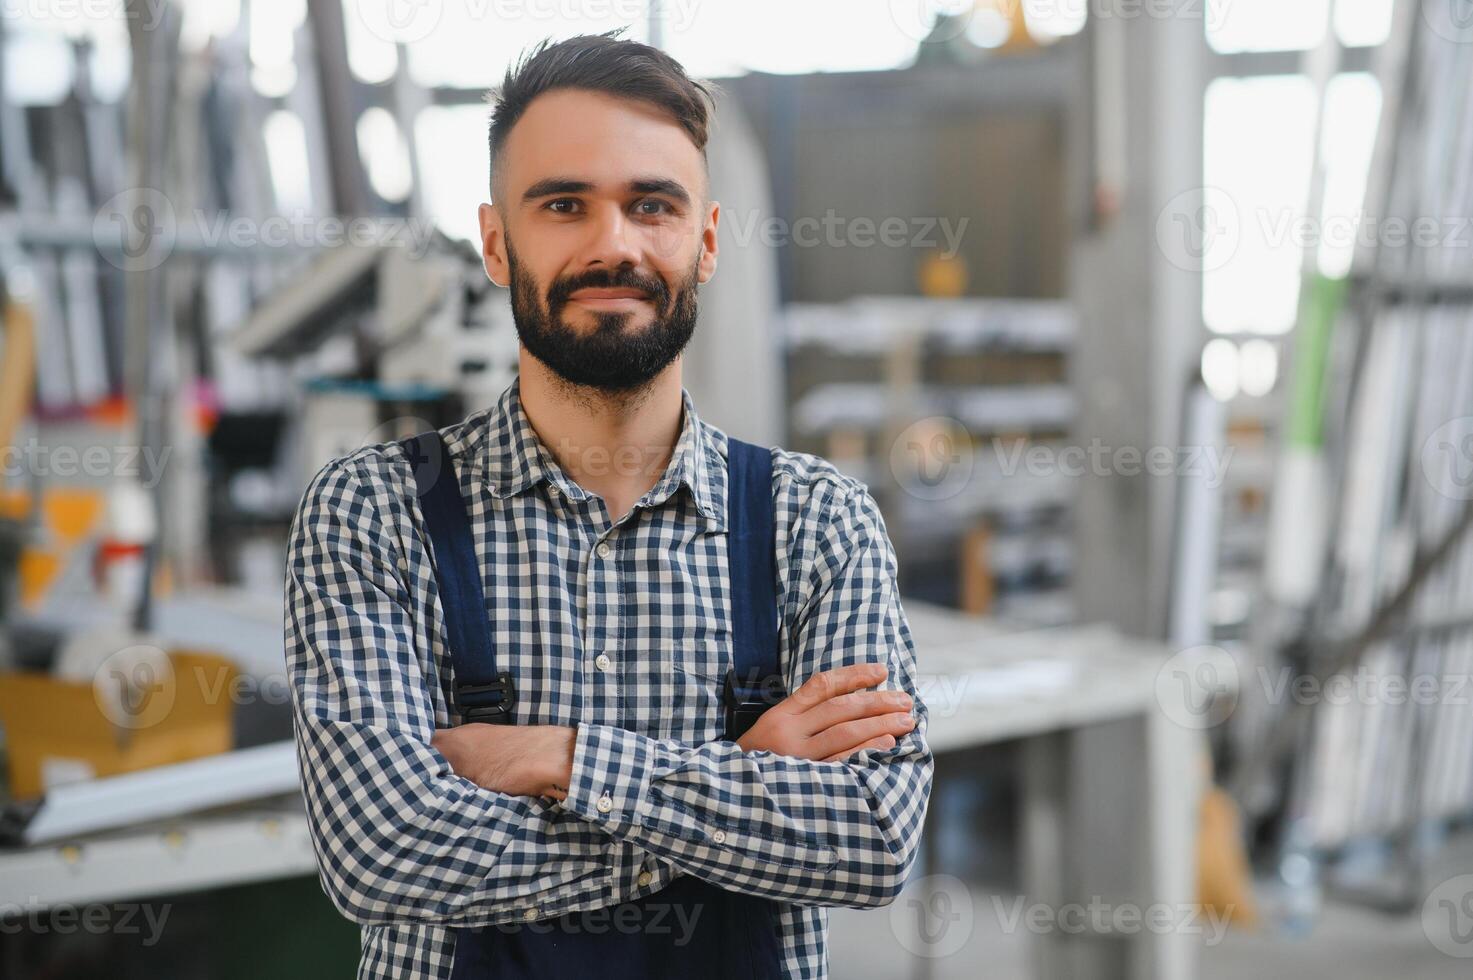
[691,680]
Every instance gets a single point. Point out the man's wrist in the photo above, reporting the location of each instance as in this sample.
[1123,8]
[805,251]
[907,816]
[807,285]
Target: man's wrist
[560,775]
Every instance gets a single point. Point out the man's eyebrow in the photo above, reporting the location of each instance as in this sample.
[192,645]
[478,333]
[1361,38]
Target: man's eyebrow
[661,185]
[549,186]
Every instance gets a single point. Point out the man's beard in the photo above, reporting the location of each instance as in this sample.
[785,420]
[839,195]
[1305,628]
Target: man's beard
[606,357]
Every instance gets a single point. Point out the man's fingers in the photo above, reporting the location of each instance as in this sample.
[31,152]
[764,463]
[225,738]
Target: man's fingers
[832,683]
[833,740]
[882,742]
[853,706]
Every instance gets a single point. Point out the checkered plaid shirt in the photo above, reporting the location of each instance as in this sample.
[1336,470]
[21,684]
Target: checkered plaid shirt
[621,630]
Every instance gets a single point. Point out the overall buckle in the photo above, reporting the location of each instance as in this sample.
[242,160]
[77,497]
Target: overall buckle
[487,703]
[745,705]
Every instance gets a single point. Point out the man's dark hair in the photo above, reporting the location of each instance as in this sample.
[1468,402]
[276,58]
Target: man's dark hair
[599,63]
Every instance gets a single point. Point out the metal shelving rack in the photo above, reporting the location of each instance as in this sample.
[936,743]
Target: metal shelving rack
[887,350]
[1382,778]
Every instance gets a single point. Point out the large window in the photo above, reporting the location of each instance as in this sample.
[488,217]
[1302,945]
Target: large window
[1257,152]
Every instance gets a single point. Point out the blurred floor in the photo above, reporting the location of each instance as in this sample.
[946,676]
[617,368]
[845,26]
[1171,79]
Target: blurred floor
[1348,941]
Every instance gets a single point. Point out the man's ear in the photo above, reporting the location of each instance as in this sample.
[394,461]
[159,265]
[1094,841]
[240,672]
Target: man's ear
[707,265]
[493,245]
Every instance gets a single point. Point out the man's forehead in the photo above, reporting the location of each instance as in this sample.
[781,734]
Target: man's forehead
[610,144]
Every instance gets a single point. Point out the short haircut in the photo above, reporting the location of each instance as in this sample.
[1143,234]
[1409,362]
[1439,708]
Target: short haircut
[599,63]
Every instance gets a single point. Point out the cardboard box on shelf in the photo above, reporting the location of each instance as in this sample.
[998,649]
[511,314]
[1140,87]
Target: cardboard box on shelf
[60,731]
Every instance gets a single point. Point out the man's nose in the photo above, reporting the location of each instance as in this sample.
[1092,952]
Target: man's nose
[611,241]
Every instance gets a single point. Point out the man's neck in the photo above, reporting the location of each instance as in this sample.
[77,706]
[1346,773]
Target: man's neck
[616,446]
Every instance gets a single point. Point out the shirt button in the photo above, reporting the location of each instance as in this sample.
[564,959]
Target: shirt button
[603,661]
[554,489]
[603,549]
[719,837]
[605,804]
[645,878]
[530,914]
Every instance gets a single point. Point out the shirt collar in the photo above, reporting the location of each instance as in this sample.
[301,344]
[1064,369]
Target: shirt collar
[508,457]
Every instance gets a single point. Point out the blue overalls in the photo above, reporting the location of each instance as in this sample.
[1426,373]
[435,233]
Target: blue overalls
[715,933]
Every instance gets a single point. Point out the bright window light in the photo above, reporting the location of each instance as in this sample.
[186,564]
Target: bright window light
[206,19]
[1050,19]
[1220,368]
[1266,25]
[371,56]
[1258,367]
[385,154]
[470,45]
[715,40]
[273,70]
[451,143]
[1256,153]
[1352,109]
[286,155]
[1363,23]
[989,27]
[70,20]
[112,66]
[38,68]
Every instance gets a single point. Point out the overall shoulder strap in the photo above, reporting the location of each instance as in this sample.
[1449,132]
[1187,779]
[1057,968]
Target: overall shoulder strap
[481,693]
[755,682]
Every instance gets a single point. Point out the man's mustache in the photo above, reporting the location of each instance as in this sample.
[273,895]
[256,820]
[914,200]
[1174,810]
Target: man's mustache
[652,286]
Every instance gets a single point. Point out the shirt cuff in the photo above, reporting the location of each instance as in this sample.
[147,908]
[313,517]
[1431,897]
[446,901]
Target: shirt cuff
[612,771]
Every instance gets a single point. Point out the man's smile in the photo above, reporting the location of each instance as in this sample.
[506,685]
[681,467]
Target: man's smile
[610,299]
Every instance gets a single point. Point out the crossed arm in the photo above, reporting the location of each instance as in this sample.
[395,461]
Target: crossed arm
[828,719]
[821,802]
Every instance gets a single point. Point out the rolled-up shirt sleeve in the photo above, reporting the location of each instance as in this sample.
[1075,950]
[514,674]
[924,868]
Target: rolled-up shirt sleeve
[816,833]
[398,835]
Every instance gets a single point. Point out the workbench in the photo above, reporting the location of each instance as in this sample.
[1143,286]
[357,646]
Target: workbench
[1111,784]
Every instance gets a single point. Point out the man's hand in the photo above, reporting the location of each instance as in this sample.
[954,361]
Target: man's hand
[830,717]
[519,760]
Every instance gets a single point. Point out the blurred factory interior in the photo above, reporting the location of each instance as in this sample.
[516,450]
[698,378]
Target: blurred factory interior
[1148,323]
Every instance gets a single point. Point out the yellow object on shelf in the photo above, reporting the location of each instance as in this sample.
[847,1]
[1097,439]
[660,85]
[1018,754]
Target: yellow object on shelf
[69,516]
[1224,879]
[942,275]
[72,513]
[60,731]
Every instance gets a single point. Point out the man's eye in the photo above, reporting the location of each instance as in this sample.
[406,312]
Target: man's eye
[553,205]
[657,206]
